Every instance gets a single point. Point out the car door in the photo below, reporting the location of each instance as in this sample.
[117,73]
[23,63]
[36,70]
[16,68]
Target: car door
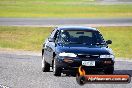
[50,47]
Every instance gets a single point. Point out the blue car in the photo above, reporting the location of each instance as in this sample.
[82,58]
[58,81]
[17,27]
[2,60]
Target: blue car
[69,47]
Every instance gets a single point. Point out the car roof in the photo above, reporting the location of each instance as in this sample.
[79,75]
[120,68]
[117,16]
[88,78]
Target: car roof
[76,28]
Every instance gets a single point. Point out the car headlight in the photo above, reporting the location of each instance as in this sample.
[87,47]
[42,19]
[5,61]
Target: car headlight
[67,54]
[107,56]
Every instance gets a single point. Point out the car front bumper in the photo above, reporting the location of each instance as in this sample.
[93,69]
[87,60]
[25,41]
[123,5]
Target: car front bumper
[77,62]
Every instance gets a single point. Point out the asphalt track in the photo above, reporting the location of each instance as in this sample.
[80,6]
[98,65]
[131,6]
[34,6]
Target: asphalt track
[65,21]
[23,70]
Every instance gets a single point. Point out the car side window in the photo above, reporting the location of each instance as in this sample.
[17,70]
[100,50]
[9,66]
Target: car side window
[53,33]
[57,35]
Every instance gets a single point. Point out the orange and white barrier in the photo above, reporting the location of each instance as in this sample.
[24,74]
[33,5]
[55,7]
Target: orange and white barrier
[82,78]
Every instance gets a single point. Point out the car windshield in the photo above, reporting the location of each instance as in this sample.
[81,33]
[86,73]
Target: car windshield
[81,37]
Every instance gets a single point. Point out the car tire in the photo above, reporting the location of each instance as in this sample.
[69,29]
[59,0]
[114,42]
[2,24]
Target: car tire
[56,70]
[109,70]
[45,65]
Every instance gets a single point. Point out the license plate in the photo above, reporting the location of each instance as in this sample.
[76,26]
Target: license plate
[88,63]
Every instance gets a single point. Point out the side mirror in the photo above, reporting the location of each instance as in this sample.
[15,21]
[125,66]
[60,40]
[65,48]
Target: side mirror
[109,42]
[51,40]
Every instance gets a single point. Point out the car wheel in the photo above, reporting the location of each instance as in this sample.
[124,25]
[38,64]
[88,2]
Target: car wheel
[109,70]
[45,65]
[56,70]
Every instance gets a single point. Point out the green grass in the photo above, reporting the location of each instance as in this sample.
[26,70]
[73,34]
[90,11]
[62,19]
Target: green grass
[121,38]
[62,8]
[32,38]
[26,38]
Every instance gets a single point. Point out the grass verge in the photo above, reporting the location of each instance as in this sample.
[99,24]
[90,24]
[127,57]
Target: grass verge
[62,8]
[31,38]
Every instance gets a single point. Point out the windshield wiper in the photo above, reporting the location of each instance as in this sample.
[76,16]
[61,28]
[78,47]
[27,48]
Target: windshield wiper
[75,43]
[84,43]
[99,44]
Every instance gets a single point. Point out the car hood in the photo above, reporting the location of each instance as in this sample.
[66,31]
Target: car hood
[85,50]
